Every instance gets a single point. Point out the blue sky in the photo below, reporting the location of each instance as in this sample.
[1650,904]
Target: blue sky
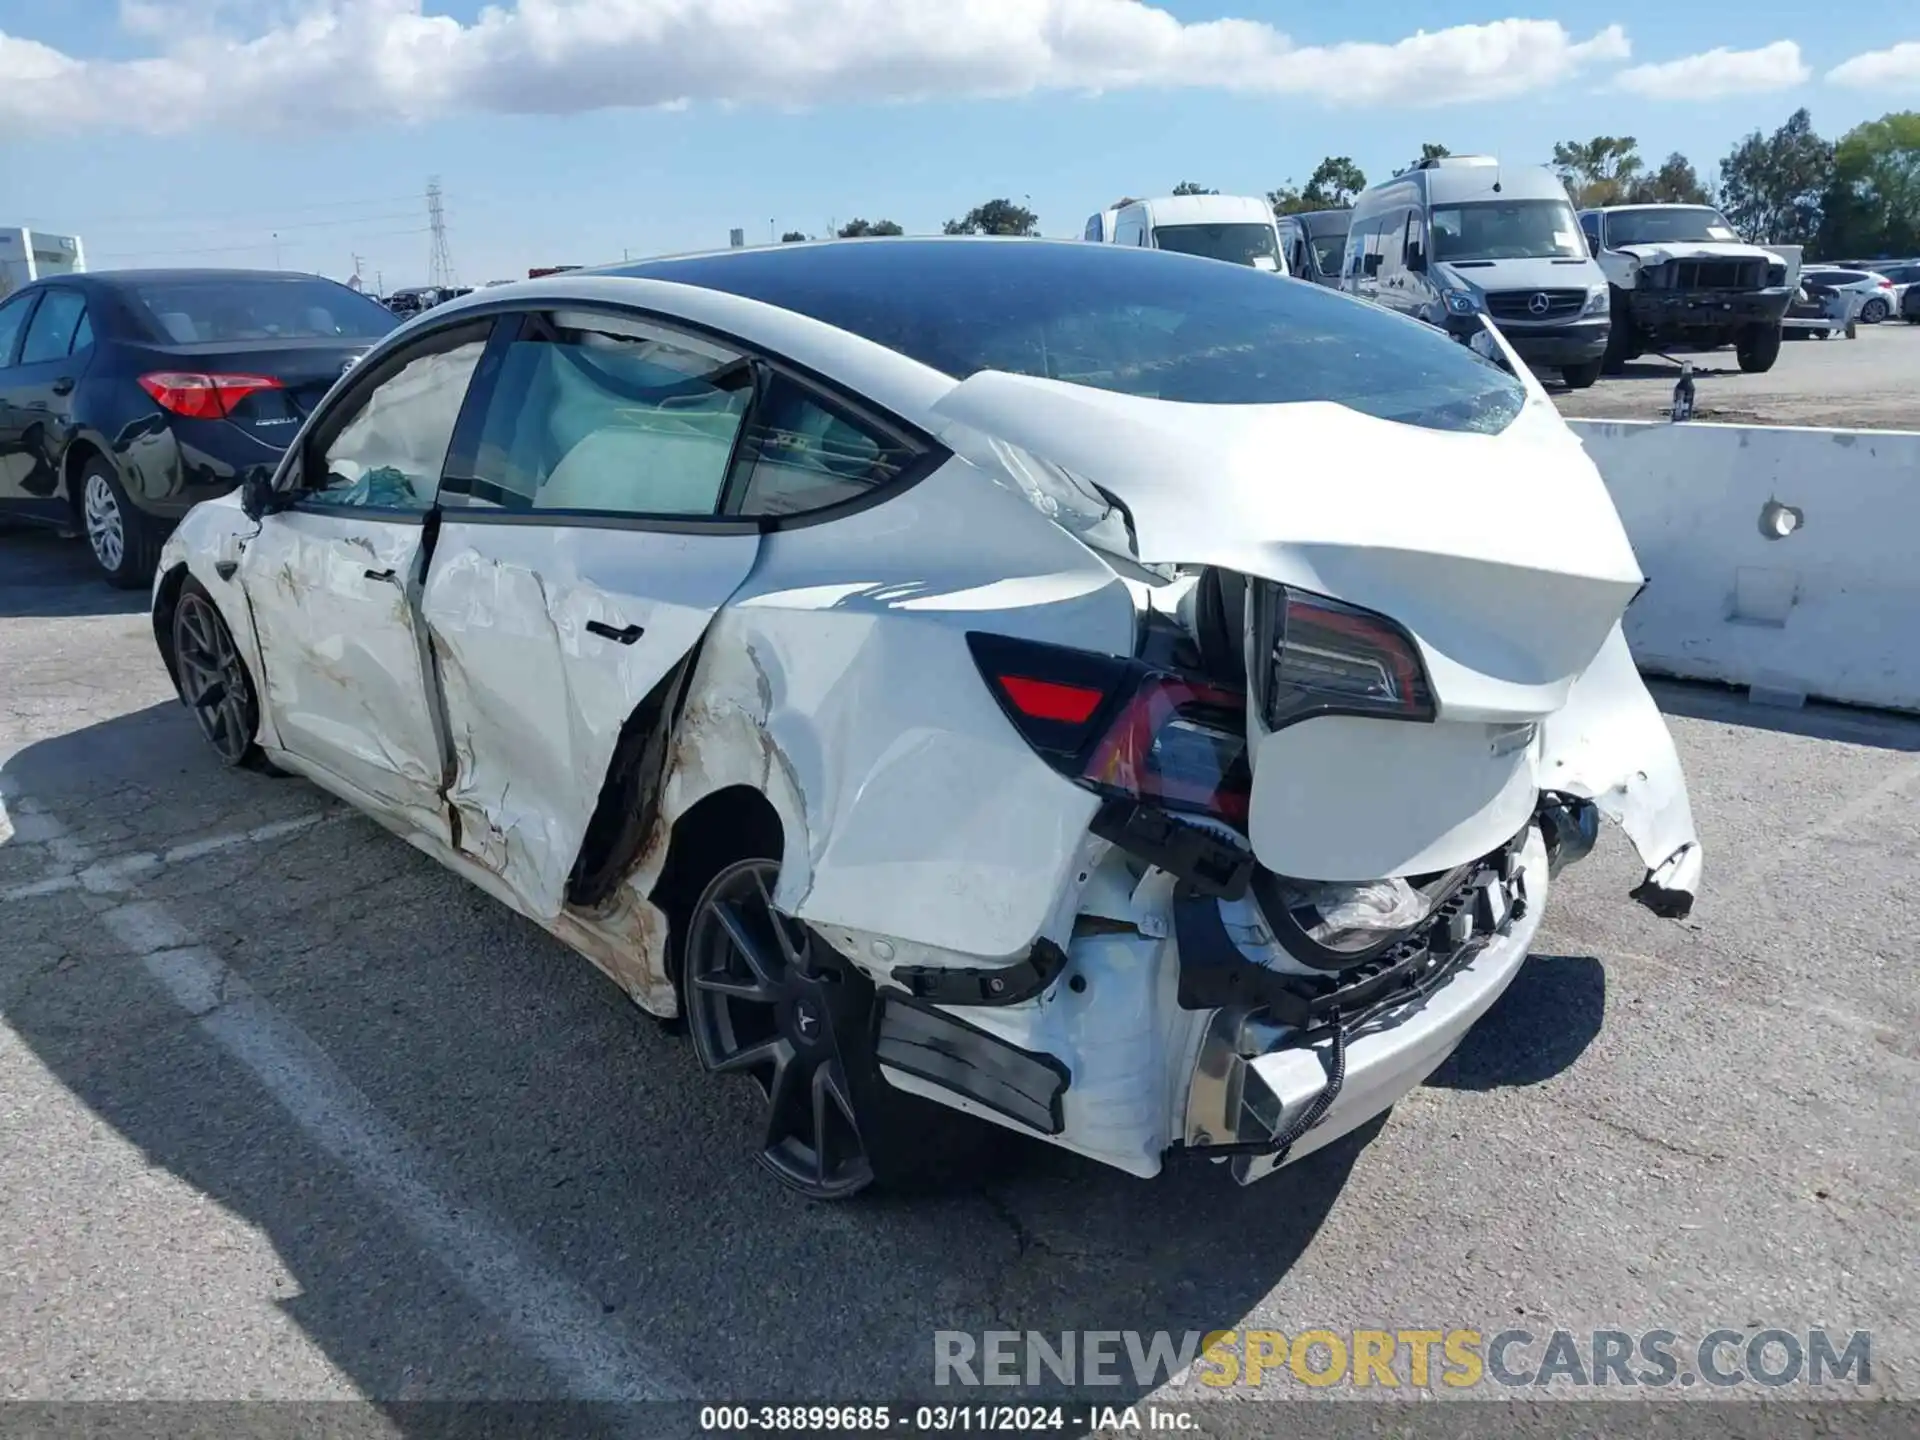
[191,131]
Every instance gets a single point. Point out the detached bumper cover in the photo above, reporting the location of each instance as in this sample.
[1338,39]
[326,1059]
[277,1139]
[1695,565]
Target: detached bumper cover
[1256,1079]
[1707,309]
[1575,343]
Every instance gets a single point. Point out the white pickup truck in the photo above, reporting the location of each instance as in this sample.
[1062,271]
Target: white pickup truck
[1681,277]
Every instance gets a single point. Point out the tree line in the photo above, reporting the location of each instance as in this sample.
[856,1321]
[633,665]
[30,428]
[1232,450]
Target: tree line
[1858,195]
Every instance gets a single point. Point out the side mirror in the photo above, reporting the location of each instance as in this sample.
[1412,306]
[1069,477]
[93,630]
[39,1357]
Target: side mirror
[258,498]
[1417,261]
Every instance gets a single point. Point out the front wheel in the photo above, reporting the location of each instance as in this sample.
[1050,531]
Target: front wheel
[1757,347]
[213,681]
[1581,377]
[1874,311]
[125,542]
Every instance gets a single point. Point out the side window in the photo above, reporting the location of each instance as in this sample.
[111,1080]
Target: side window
[391,450]
[50,332]
[1414,252]
[590,413]
[13,317]
[803,453]
[1129,230]
[1093,229]
[1590,224]
[82,335]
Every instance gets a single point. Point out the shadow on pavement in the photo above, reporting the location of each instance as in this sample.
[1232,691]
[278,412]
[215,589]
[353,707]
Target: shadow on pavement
[539,1097]
[1542,1024]
[44,574]
[1848,724]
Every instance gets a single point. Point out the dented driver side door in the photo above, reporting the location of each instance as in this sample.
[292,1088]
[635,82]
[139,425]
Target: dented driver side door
[333,581]
[580,558]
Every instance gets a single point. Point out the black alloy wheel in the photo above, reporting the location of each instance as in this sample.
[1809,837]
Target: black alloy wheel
[765,997]
[213,680]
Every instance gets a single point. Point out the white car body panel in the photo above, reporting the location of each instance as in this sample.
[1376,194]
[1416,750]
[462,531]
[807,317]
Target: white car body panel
[1503,635]
[343,671]
[535,701]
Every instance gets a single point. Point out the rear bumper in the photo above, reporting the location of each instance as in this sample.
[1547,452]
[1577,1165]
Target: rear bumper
[1254,1078]
[1725,310]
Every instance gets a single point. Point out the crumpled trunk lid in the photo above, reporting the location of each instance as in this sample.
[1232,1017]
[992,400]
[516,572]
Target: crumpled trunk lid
[1501,555]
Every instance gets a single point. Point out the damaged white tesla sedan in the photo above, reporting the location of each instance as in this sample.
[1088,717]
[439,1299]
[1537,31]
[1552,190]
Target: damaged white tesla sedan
[1108,693]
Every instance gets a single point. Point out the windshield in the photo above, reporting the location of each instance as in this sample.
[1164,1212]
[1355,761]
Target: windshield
[1671,222]
[1237,243]
[1121,318]
[1330,251]
[240,307]
[1507,230]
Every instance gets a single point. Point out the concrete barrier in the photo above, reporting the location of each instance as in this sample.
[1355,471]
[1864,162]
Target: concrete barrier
[1784,560]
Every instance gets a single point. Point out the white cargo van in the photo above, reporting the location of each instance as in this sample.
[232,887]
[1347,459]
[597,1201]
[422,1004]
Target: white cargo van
[1236,228]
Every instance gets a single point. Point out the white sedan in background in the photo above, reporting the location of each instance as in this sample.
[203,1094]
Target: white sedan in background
[1095,691]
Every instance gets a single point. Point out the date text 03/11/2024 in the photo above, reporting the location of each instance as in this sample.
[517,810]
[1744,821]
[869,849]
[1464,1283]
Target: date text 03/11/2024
[947,1419]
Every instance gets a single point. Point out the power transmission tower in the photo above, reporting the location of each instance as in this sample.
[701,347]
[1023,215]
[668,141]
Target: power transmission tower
[440,263]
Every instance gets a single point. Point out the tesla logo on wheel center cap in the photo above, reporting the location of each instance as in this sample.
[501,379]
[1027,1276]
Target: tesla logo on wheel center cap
[1539,304]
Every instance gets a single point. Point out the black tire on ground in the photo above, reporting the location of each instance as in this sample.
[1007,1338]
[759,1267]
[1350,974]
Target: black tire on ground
[124,541]
[766,997]
[1874,311]
[213,681]
[1620,339]
[1758,346]
[1580,377]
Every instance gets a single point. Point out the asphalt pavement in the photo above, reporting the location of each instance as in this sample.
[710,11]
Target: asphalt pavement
[1870,382]
[288,1112]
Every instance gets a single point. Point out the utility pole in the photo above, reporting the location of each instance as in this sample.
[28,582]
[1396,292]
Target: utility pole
[357,282]
[276,249]
[440,261]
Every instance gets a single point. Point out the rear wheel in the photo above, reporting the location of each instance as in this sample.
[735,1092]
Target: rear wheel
[125,543]
[767,998]
[1874,311]
[1581,377]
[1757,347]
[213,679]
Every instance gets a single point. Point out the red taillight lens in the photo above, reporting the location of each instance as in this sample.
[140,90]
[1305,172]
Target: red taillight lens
[1885,284]
[200,396]
[1316,656]
[1122,727]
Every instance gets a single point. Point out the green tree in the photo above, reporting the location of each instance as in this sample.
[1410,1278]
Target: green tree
[995,217]
[1334,183]
[1674,183]
[1600,171]
[1772,186]
[855,228]
[1872,205]
[1187,187]
[793,235]
[1431,151]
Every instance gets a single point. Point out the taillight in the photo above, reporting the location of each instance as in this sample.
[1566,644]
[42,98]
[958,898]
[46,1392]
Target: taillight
[1122,727]
[203,397]
[1885,284]
[1317,656]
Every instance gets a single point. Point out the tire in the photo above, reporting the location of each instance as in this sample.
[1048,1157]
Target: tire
[125,542]
[1620,339]
[1758,346]
[1874,311]
[1581,377]
[213,682]
[764,996]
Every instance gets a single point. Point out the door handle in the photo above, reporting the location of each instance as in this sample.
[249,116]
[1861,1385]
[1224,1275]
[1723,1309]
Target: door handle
[626,635]
[63,386]
[379,574]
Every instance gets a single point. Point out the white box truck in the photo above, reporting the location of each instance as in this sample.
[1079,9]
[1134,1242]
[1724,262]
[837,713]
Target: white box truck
[27,255]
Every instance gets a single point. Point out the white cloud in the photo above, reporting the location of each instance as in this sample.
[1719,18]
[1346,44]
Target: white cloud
[1716,73]
[331,62]
[1895,68]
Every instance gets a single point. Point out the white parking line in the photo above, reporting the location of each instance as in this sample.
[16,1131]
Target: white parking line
[547,1316]
[105,877]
